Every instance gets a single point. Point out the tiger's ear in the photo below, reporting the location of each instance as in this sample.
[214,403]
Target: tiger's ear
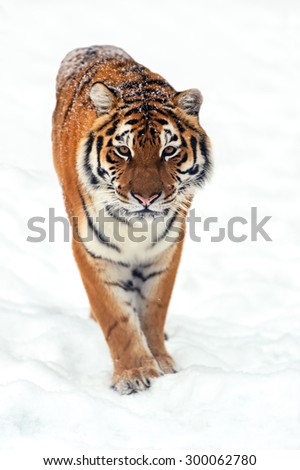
[189,101]
[103,98]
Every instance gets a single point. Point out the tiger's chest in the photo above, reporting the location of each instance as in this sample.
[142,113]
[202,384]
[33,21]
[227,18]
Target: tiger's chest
[130,258]
[140,240]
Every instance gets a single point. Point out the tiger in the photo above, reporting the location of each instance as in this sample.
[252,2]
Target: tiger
[128,151]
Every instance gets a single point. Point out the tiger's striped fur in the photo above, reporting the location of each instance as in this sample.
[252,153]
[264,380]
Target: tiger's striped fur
[127,146]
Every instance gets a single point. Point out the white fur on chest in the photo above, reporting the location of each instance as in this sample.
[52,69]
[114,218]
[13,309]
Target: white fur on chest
[140,241]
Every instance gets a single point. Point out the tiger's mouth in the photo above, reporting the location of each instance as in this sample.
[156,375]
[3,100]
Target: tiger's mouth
[145,212]
[148,212]
[125,211]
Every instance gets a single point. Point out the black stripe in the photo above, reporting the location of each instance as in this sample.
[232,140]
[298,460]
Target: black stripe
[143,97]
[127,286]
[183,142]
[140,275]
[170,222]
[153,132]
[204,150]
[116,216]
[147,93]
[120,136]
[108,121]
[98,257]
[194,147]
[139,110]
[171,194]
[138,84]
[206,166]
[101,172]
[99,144]
[159,82]
[183,160]
[93,180]
[194,170]
[111,160]
[89,143]
[178,123]
[135,100]
[132,121]
[132,111]
[141,132]
[107,260]
[183,172]
[181,121]
[100,237]
[87,166]
[111,130]
[162,121]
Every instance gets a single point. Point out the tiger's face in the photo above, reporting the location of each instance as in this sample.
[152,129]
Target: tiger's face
[145,160]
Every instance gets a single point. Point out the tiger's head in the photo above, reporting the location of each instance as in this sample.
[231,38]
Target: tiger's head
[145,156]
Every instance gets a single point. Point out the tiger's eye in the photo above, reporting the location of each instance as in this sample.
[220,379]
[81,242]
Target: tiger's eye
[169,151]
[123,151]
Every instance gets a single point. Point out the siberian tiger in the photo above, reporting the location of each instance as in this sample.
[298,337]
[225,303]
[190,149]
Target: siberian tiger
[129,153]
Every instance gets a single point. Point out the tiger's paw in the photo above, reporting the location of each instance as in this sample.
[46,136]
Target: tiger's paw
[135,380]
[166,363]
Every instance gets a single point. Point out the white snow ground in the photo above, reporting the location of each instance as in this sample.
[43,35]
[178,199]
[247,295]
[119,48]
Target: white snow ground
[234,320]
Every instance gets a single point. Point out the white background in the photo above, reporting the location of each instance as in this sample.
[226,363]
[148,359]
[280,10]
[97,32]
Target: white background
[234,320]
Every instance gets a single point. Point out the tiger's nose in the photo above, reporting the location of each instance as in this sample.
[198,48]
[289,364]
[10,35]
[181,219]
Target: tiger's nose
[146,201]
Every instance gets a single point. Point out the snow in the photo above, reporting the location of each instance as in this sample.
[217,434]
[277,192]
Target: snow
[234,322]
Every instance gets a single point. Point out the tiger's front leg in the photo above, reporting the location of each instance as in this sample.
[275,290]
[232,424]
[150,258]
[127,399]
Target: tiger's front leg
[154,315]
[134,364]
